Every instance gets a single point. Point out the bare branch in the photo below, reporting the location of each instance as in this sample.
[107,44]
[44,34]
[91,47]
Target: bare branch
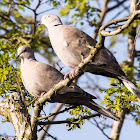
[45,11]
[137,53]
[49,135]
[44,2]
[117,5]
[116,127]
[129,19]
[36,112]
[52,117]
[52,114]
[97,125]
[22,5]
[123,6]
[103,13]
[135,41]
[138,3]
[74,121]
[39,2]
[6,18]
[22,95]
[120,12]
[102,16]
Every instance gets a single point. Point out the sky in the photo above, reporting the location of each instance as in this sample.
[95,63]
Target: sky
[89,131]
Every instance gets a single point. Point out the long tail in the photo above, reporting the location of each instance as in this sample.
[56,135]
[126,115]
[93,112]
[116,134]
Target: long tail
[130,86]
[92,105]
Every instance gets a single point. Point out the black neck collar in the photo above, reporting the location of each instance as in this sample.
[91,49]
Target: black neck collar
[58,24]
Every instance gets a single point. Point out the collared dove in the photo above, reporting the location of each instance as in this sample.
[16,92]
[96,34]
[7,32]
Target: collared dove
[39,77]
[71,46]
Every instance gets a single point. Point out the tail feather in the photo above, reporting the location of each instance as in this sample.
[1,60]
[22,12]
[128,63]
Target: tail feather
[92,105]
[131,87]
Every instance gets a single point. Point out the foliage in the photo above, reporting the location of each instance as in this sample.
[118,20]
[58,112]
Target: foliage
[19,28]
[16,30]
[82,11]
[79,111]
[119,97]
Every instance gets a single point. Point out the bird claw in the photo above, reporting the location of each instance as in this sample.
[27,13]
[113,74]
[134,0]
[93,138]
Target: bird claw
[42,94]
[36,102]
[39,97]
[70,74]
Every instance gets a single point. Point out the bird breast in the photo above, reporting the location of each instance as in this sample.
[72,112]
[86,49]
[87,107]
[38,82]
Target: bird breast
[61,48]
[27,75]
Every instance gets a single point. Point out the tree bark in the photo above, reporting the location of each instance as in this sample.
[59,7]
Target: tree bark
[117,125]
[12,108]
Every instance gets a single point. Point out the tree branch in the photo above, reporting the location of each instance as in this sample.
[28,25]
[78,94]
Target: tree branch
[35,115]
[97,125]
[22,5]
[52,117]
[45,11]
[13,109]
[117,5]
[129,19]
[79,70]
[73,121]
[102,16]
[117,126]
[56,113]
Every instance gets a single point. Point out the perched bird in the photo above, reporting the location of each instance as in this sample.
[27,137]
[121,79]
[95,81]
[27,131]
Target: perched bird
[39,77]
[71,46]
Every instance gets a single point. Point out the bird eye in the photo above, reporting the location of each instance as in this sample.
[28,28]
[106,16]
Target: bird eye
[25,50]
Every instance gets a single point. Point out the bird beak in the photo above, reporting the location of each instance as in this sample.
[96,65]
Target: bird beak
[39,23]
[17,57]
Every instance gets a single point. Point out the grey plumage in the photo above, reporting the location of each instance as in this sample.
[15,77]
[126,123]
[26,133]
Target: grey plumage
[39,77]
[71,45]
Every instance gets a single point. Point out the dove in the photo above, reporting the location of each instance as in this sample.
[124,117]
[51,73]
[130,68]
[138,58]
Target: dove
[38,78]
[72,45]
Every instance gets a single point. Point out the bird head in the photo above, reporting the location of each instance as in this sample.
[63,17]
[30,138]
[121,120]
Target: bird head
[50,20]
[25,52]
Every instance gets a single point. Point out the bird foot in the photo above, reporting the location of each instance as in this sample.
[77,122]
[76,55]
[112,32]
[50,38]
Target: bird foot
[70,74]
[36,102]
[39,97]
[42,94]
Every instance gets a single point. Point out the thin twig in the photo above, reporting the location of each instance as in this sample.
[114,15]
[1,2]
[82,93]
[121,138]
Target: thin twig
[117,5]
[74,121]
[135,41]
[97,125]
[45,11]
[49,135]
[138,3]
[32,101]
[23,5]
[23,99]
[128,20]
[60,68]
[120,12]
[52,114]
[44,2]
